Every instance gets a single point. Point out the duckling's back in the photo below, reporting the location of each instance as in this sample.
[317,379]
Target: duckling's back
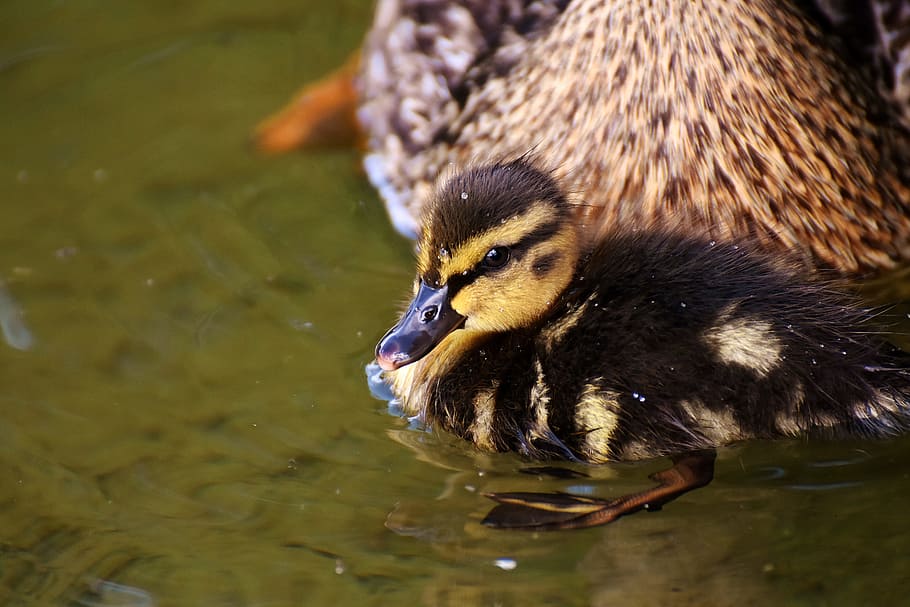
[664,344]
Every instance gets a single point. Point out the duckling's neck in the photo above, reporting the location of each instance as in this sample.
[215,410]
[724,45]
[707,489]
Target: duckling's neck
[472,361]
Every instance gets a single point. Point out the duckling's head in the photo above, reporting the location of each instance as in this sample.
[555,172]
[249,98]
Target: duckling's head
[498,244]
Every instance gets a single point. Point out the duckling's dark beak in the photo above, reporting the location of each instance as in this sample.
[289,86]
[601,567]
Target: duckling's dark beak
[428,320]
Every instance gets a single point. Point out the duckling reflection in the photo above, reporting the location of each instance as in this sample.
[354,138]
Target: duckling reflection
[526,334]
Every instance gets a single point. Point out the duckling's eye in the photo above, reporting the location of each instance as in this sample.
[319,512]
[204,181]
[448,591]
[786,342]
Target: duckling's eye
[496,257]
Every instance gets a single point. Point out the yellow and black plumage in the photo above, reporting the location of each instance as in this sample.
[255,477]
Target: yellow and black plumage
[526,335]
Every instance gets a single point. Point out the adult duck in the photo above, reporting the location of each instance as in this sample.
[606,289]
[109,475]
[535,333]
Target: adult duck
[783,122]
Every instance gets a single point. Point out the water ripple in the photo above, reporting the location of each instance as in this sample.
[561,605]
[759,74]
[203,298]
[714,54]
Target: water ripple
[12,325]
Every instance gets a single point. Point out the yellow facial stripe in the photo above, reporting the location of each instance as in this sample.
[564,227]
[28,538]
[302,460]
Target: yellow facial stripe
[467,255]
[424,257]
[517,296]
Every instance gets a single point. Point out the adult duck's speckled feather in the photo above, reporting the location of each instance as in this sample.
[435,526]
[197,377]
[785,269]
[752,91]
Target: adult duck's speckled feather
[760,119]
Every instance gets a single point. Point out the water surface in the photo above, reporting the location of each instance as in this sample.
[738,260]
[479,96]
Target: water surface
[183,328]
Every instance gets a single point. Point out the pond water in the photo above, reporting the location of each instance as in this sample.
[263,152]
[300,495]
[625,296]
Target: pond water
[184,417]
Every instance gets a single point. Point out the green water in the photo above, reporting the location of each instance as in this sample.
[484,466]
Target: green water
[183,414]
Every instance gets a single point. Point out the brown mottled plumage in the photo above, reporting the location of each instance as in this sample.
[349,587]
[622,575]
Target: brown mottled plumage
[736,119]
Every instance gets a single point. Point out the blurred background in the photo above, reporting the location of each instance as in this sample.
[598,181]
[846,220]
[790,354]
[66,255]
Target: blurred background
[184,416]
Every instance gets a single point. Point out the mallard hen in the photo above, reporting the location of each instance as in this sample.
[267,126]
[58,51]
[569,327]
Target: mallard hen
[783,122]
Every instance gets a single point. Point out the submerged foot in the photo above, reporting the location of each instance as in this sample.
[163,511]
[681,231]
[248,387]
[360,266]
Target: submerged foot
[322,114]
[551,511]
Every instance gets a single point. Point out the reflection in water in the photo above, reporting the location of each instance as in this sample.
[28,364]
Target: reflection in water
[749,539]
[844,472]
[379,388]
[15,332]
[105,593]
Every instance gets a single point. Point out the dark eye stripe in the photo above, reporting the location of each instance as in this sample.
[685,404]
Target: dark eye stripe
[543,264]
[539,234]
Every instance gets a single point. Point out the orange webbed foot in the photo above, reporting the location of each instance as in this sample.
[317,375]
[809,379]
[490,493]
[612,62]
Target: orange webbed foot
[552,511]
[321,114]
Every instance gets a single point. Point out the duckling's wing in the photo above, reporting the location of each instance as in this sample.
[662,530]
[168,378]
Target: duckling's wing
[550,511]
[877,34]
[420,63]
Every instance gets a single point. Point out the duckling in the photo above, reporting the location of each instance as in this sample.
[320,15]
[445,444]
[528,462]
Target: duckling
[781,122]
[526,335]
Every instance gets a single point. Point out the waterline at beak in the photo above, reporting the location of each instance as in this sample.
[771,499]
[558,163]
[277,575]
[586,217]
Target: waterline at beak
[428,320]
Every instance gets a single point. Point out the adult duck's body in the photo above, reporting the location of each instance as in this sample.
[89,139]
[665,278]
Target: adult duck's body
[777,121]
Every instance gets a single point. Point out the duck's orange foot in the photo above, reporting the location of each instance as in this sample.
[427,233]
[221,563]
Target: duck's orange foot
[548,511]
[321,114]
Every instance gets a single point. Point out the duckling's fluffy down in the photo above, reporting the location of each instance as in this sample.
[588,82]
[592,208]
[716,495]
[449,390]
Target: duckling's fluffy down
[659,344]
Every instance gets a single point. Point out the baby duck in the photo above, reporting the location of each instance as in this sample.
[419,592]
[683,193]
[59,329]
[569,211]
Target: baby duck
[527,335]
